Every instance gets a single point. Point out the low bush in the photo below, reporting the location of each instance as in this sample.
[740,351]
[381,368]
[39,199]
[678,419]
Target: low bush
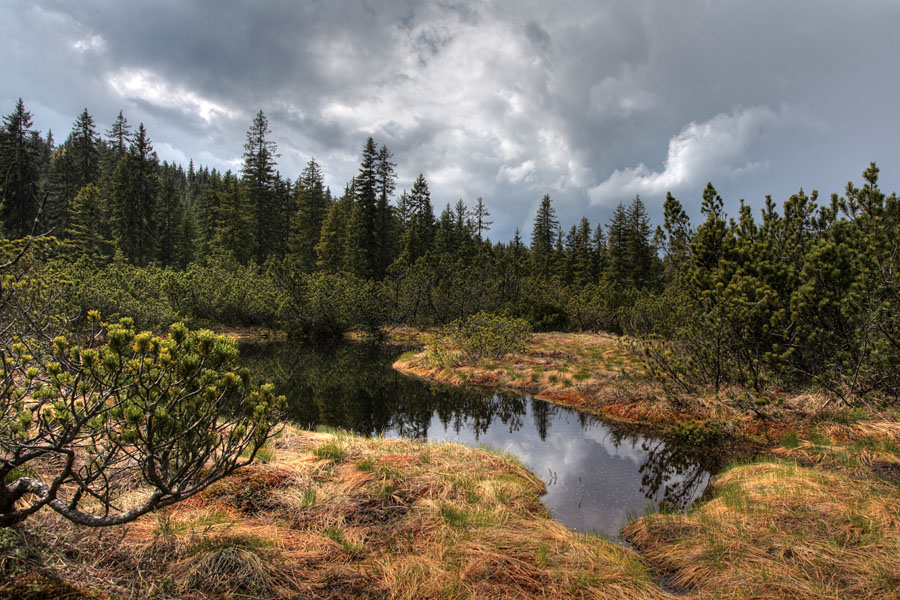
[482,336]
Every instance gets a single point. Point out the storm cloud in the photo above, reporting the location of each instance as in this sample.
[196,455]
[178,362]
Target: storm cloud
[591,102]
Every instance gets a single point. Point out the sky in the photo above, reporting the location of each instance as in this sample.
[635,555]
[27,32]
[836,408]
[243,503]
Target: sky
[589,101]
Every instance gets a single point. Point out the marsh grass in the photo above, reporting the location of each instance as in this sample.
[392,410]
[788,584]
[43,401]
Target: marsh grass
[389,519]
[330,450]
[778,530]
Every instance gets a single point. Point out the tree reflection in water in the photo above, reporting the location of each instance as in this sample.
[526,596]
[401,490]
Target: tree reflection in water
[609,467]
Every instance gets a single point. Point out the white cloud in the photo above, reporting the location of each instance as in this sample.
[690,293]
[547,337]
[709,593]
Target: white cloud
[150,87]
[93,42]
[522,173]
[719,147]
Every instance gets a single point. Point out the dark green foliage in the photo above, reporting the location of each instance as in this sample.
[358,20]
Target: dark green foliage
[134,187]
[259,180]
[235,228]
[19,172]
[804,298]
[86,235]
[420,226]
[482,336]
[802,294]
[328,305]
[224,291]
[117,290]
[543,236]
[333,237]
[312,201]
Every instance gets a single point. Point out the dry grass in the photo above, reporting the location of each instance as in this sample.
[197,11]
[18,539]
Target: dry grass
[599,374]
[569,368]
[337,516]
[777,530]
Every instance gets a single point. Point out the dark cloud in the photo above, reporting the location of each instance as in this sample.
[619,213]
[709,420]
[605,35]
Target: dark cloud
[590,102]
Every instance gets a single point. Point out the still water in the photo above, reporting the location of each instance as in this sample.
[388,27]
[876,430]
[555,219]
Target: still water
[597,474]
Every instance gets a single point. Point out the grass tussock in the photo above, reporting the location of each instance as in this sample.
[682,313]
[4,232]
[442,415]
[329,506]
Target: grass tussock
[378,519]
[778,530]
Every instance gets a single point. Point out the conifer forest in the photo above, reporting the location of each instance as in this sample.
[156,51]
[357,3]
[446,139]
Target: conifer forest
[799,293]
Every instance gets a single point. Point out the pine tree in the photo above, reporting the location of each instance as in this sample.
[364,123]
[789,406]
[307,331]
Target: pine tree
[445,234]
[480,215]
[134,188]
[118,140]
[85,234]
[85,148]
[618,268]
[62,186]
[207,209]
[675,237]
[363,240]
[312,208]
[543,236]
[169,214]
[259,178]
[333,238]
[386,178]
[642,258]
[583,255]
[598,246]
[420,230]
[235,231]
[285,207]
[18,174]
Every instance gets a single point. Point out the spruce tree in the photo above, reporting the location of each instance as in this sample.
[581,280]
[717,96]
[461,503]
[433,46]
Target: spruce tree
[385,184]
[169,214]
[641,254]
[85,148]
[420,230]
[259,179]
[363,240]
[62,186]
[312,208]
[333,238]
[675,237]
[118,140]
[235,230]
[85,234]
[480,214]
[19,172]
[617,251]
[583,255]
[543,236]
[134,188]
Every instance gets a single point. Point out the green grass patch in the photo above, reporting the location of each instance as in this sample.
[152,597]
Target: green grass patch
[223,542]
[542,556]
[790,440]
[366,465]
[330,451]
[337,534]
[455,517]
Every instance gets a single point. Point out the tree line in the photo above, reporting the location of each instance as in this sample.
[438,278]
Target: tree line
[802,294]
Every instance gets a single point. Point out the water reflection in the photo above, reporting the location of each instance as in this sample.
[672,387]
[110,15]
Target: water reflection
[597,474]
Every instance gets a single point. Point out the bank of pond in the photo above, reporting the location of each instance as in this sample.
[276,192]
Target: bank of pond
[598,475]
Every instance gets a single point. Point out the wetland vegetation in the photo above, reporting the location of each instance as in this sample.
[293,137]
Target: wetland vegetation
[772,342]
